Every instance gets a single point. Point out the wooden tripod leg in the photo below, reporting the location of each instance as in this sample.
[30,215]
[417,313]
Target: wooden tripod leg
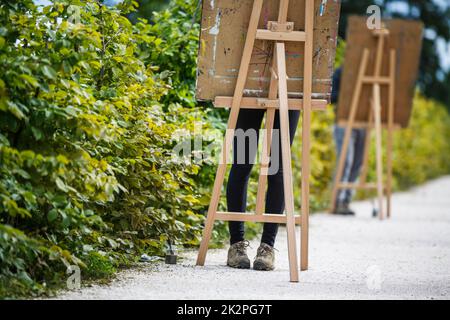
[365,165]
[286,158]
[389,146]
[348,129]
[267,141]
[306,132]
[270,116]
[237,99]
[379,150]
[265,161]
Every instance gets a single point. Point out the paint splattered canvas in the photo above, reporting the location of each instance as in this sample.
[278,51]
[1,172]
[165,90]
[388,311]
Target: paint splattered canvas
[223,31]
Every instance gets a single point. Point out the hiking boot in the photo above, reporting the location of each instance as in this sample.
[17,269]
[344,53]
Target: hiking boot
[237,255]
[265,258]
[342,208]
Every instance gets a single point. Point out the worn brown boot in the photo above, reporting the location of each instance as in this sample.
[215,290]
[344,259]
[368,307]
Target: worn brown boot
[265,258]
[237,255]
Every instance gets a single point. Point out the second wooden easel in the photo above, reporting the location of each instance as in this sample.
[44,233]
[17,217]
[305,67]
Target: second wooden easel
[279,31]
[373,122]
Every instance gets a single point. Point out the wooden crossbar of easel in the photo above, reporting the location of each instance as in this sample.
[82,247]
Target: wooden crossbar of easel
[278,31]
[373,122]
[258,103]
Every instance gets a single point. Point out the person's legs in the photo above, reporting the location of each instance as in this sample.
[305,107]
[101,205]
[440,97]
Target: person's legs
[339,133]
[275,192]
[245,146]
[346,194]
[359,139]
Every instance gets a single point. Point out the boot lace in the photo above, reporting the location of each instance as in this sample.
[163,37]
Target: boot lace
[265,250]
[242,246]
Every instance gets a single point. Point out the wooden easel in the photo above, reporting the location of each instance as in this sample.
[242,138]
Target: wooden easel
[373,122]
[278,31]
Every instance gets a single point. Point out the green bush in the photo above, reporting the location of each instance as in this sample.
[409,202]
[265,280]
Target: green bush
[28,265]
[99,266]
[85,142]
[421,151]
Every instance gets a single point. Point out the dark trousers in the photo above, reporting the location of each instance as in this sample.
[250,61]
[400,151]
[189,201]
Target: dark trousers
[353,160]
[250,121]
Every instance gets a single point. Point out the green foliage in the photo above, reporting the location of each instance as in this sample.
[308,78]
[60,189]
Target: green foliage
[421,151]
[340,53]
[147,7]
[322,160]
[176,30]
[85,142]
[29,266]
[99,266]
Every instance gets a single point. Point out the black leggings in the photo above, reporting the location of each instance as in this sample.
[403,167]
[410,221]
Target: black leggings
[240,173]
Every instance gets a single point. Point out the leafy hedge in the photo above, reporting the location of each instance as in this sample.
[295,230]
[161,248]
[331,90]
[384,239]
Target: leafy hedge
[421,151]
[86,143]
[91,107]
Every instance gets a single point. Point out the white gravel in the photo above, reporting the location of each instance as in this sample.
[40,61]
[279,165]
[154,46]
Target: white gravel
[406,257]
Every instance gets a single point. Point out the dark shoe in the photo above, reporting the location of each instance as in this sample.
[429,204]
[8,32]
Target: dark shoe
[265,258]
[237,255]
[342,208]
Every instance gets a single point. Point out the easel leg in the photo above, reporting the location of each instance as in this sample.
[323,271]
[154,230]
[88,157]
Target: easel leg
[267,141]
[348,129]
[306,133]
[379,150]
[210,218]
[265,160]
[286,155]
[237,99]
[390,132]
[365,165]
[389,147]
[270,116]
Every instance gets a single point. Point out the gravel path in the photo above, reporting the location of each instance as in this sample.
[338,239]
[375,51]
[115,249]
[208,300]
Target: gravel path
[407,257]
